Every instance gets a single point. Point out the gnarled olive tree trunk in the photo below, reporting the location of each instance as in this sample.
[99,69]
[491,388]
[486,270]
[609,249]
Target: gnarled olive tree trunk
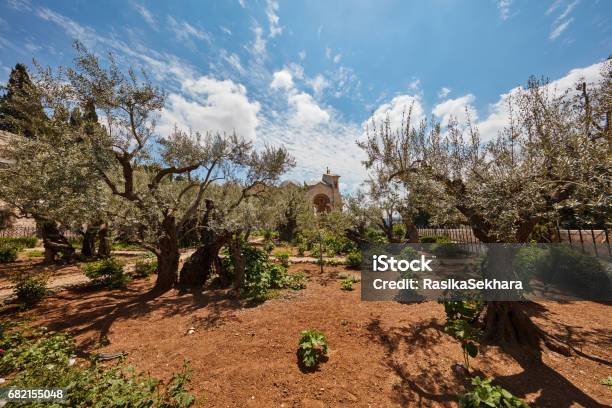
[167,255]
[55,243]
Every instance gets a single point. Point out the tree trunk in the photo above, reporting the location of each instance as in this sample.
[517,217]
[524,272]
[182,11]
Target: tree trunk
[104,246]
[506,322]
[412,233]
[286,232]
[54,241]
[168,255]
[235,250]
[89,241]
[202,263]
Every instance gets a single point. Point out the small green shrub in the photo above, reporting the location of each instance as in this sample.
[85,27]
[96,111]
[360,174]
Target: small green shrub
[399,230]
[485,395]
[268,247]
[435,239]
[347,284]
[375,236]
[462,324]
[106,272]
[30,290]
[36,358]
[296,281]
[312,348]
[301,248]
[8,254]
[607,381]
[35,254]
[354,259]
[19,242]
[283,258]
[145,268]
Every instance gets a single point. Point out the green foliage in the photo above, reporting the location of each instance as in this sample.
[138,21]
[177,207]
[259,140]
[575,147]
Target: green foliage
[283,257]
[268,247]
[607,381]
[462,324]
[354,259]
[127,246]
[347,283]
[577,272]
[399,230]
[30,290]
[296,281]
[36,358]
[435,239]
[145,268]
[485,395]
[312,348]
[19,242]
[301,248]
[8,253]
[375,236]
[262,276]
[106,272]
[35,254]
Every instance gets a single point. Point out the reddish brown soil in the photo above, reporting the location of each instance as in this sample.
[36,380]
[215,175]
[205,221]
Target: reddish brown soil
[382,354]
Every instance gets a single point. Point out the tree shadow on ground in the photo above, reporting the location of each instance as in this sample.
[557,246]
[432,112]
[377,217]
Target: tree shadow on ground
[414,389]
[98,311]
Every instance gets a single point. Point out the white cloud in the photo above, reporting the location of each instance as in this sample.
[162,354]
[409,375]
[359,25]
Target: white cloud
[337,58]
[559,29]
[397,110]
[20,5]
[31,47]
[307,113]
[498,112]
[282,80]
[318,84]
[225,30]
[414,84]
[553,6]
[273,19]
[456,108]
[503,6]
[302,55]
[211,105]
[242,3]
[184,31]
[144,13]
[328,52]
[443,92]
[259,44]
[233,60]
[568,10]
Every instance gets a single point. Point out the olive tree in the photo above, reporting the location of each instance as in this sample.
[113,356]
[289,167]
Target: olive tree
[554,151]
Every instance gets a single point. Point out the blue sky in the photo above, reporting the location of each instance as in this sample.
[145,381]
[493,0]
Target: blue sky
[309,74]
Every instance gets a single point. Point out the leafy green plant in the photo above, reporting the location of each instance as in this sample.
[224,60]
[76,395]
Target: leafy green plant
[399,230]
[8,253]
[462,324]
[435,239]
[106,272]
[268,247]
[485,395]
[607,381]
[283,258]
[354,259]
[35,254]
[312,348]
[347,284]
[301,248]
[145,268]
[19,242]
[36,358]
[30,290]
[296,281]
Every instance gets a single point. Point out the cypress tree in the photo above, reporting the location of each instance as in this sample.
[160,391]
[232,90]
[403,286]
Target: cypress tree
[21,110]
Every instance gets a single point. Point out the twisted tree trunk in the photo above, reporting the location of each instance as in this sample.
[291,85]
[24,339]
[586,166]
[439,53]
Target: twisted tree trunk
[167,255]
[54,241]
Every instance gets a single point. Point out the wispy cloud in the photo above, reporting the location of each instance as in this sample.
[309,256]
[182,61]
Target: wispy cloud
[183,31]
[443,92]
[273,19]
[503,6]
[144,13]
[563,20]
[225,30]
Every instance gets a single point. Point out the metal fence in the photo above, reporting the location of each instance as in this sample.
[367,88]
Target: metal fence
[29,231]
[591,241]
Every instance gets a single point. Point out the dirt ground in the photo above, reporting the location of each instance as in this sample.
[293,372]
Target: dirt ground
[382,354]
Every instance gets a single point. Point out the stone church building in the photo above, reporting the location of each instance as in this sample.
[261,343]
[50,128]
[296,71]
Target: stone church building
[325,193]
